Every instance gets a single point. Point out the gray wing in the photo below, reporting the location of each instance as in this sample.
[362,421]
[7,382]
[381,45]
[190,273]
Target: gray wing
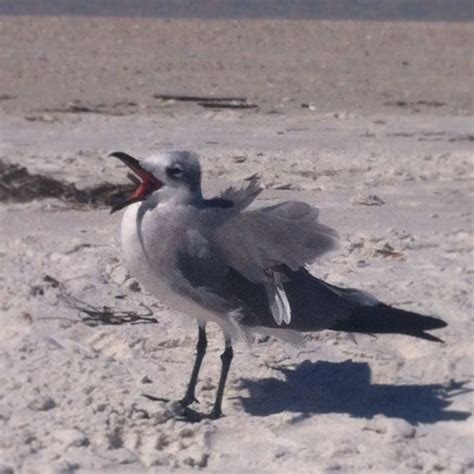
[210,281]
[315,304]
[243,196]
[258,245]
[224,268]
[288,234]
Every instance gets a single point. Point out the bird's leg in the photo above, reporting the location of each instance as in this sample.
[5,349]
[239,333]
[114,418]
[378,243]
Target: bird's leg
[226,358]
[201,346]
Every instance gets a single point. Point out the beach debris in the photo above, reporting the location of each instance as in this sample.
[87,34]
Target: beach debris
[209,102]
[94,315]
[287,187]
[462,138]
[401,134]
[406,103]
[388,251]
[42,403]
[196,98]
[239,158]
[27,317]
[342,115]
[104,315]
[369,200]
[17,184]
[253,176]
[396,428]
[46,118]
[77,107]
[227,105]
[51,281]
[67,438]
[366,249]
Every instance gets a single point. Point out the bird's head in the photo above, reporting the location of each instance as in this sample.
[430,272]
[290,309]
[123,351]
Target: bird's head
[173,176]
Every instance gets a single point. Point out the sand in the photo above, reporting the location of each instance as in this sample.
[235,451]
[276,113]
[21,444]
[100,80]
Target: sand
[385,151]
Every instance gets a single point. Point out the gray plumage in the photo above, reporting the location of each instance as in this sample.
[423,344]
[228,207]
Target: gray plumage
[246,270]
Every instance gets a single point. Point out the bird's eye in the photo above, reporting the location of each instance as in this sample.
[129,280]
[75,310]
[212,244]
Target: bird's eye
[174,171]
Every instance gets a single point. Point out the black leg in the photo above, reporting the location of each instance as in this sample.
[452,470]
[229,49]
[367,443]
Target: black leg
[226,358]
[200,352]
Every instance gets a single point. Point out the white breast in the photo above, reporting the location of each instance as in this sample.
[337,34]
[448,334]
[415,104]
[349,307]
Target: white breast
[150,240]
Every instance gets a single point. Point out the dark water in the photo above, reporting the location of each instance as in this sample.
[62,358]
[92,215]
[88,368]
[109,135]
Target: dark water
[378,10]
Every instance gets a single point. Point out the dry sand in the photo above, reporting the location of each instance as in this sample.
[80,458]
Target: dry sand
[395,180]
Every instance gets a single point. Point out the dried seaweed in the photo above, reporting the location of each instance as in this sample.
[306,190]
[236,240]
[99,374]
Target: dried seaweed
[93,315]
[414,103]
[17,184]
[78,107]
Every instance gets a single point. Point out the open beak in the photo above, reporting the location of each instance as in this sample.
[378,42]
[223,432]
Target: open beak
[146,184]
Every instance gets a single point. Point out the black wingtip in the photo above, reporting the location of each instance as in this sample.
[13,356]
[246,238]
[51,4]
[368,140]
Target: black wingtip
[384,319]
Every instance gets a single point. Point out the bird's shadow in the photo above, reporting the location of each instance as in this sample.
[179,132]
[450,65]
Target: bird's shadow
[346,387]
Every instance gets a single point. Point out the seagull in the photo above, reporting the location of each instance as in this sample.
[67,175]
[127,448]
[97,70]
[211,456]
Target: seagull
[244,269]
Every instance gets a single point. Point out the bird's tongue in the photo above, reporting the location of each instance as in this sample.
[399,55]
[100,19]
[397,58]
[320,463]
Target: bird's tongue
[143,189]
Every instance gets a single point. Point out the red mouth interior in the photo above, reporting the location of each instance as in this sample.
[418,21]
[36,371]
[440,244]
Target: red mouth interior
[145,186]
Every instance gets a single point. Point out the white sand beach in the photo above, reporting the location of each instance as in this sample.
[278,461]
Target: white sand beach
[383,148]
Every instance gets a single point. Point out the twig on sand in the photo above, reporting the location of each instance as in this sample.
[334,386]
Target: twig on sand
[209,102]
[100,315]
[228,105]
[195,98]
[77,107]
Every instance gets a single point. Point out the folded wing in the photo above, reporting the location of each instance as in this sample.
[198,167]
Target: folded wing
[259,244]
[252,263]
[257,241]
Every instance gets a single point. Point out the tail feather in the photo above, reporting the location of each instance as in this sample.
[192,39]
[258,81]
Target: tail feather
[311,304]
[383,319]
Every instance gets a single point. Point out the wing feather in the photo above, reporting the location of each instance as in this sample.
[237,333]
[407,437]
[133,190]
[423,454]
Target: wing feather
[259,243]
[242,197]
[278,303]
[285,234]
